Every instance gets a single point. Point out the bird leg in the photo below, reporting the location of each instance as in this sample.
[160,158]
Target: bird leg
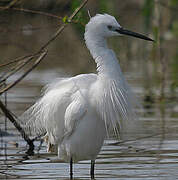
[71,169]
[92,173]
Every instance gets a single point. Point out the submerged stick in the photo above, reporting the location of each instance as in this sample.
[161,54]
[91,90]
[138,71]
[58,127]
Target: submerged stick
[9,115]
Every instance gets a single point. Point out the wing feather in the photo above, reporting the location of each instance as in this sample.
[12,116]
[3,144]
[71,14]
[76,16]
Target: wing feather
[45,114]
[74,113]
[57,112]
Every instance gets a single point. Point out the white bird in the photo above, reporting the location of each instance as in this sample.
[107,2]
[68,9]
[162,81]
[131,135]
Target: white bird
[76,113]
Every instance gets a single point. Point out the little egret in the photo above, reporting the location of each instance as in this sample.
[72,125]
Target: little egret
[76,113]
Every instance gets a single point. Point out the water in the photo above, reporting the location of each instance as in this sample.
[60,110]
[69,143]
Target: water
[149,151]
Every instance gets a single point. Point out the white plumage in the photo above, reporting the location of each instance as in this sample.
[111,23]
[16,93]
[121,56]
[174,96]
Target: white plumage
[76,113]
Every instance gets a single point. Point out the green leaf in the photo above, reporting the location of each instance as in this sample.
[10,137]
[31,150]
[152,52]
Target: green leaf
[65,19]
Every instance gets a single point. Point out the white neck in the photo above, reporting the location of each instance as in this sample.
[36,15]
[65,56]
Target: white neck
[107,63]
[96,44]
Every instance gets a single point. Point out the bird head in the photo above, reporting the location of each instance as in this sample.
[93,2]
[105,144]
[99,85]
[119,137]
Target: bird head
[106,25]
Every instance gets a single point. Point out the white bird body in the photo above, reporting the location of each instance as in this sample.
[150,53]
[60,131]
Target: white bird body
[79,131]
[76,113]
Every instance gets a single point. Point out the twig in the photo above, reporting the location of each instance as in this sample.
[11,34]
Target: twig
[33,12]
[77,10]
[12,3]
[53,37]
[14,70]
[39,13]
[63,25]
[136,139]
[16,60]
[9,86]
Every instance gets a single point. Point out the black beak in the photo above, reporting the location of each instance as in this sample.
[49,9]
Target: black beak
[134,34]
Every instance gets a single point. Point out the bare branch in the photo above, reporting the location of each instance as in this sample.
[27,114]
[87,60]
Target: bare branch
[77,10]
[12,3]
[14,70]
[9,86]
[64,25]
[32,11]
[16,60]
[42,54]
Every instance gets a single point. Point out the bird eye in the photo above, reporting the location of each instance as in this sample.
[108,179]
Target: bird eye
[110,27]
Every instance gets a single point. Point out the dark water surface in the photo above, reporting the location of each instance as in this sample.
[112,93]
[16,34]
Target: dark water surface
[149,151]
